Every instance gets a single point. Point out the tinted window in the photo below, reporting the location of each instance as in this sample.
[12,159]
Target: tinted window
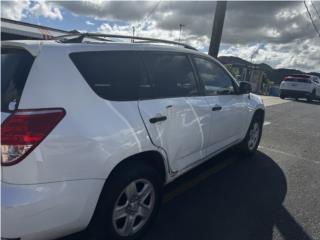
[15,67]
[171,75]
[112,75]
[215,80]
[290,80]
[303,80]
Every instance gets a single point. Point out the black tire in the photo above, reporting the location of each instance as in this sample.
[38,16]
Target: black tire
[282,96]
[102,224]
[312,97]
[245,148]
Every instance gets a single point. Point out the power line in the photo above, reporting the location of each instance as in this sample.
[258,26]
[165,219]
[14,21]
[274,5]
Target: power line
[153,10]
[315,9]
[149,14]
[314,25]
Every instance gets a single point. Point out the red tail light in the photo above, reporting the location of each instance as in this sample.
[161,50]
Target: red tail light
[22,131]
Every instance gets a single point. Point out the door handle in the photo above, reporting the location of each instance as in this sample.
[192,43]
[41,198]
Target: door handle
[157,119]
[216,108]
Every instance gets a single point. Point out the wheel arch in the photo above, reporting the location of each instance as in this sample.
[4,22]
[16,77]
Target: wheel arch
[260,113]
[150,158]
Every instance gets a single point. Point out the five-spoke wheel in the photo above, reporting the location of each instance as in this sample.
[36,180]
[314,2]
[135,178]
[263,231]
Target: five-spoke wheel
[133,207]
[128,204]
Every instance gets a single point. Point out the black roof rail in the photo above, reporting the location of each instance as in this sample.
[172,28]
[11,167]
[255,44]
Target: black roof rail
[79,37]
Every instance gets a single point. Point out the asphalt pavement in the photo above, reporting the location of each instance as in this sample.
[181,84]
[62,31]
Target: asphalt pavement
[273,196]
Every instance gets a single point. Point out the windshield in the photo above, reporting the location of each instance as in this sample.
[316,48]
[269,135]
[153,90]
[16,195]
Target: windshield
[15,67]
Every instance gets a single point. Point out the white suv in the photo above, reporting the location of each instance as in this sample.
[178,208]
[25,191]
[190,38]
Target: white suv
[300,86]
[92,131]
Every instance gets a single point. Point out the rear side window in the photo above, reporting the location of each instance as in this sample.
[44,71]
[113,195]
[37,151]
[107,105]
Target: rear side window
[112,75]
[289,80]
[303,80]
[171,75]
[15,68]
[300,80]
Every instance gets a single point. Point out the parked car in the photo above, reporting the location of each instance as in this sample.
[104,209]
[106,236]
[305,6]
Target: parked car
[92,131]
[300,86]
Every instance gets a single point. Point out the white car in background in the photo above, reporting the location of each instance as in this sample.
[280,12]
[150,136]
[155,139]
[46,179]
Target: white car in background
[300,86]
[92,131]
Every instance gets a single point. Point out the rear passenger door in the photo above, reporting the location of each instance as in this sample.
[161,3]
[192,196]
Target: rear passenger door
[176,116]
[228,109]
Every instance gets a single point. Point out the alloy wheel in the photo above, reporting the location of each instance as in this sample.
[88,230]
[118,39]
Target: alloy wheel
[133,207]
[254,134]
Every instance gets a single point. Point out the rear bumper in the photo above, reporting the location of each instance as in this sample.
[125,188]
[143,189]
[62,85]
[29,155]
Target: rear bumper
[47,211]
[294,93]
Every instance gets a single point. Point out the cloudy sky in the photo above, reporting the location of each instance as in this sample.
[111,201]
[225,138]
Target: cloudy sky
[277,33]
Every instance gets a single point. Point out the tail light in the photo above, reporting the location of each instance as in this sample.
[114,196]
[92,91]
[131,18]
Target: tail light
[22,131]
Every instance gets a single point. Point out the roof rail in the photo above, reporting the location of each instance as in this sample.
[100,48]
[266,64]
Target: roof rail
[79,37]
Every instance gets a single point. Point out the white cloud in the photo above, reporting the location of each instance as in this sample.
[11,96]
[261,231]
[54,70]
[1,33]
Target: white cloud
[301,54]
[15,10]
[90,23]
[19,9]
[47,10]
[273,32]
[108,10]
[150,29]
[114,29]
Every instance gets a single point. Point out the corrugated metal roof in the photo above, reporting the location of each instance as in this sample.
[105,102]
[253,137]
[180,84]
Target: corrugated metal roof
[28,30]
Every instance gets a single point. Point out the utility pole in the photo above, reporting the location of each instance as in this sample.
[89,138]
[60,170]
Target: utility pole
[180,26]
[217,27]
[133,30]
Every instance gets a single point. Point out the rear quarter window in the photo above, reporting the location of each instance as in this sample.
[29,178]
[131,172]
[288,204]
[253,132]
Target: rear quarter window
[15,68]
[111,75]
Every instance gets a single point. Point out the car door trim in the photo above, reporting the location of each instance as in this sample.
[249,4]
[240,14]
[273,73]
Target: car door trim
[206,158]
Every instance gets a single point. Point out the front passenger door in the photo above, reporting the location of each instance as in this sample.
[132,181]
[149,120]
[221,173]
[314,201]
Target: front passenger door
[228,109]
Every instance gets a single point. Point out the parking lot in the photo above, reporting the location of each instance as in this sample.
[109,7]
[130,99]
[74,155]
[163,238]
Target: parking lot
[275,195]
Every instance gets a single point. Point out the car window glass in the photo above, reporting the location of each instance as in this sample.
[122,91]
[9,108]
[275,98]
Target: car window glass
[15,65]
[215,80]
[171,75]
[112,75]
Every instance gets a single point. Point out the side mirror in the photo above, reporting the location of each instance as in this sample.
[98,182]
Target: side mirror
[245,87]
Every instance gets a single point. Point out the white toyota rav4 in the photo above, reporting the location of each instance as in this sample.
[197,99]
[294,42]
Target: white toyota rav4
[91,131]
[300,86]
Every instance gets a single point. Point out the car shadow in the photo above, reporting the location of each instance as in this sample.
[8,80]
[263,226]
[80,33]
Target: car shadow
[314,102]
[243,202]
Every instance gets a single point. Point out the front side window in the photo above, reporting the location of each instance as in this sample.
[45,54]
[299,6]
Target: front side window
[214,79]
[112,75]
[171,75]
